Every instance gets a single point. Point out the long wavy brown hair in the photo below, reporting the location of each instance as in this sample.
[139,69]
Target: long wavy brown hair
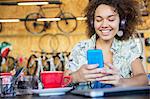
[127,9]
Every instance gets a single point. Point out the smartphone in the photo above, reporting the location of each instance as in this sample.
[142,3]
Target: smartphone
[95,56]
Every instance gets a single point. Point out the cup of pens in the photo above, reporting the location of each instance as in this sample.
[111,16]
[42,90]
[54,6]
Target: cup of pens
[6,84]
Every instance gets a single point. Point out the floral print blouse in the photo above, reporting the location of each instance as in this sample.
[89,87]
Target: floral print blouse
[124,52]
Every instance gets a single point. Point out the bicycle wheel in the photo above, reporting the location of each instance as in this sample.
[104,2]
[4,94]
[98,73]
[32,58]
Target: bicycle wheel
[68,22]
[57,62]
[63,40]
[48,43]
[0,27]
[10,62]
[46,66]
[32,65]
[33,26]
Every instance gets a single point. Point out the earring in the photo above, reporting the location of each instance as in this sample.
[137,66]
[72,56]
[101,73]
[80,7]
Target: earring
[120,33]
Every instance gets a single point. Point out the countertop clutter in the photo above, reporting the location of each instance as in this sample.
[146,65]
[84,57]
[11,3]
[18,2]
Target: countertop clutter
[69,92]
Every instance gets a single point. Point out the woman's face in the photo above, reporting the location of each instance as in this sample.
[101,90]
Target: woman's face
[106,22]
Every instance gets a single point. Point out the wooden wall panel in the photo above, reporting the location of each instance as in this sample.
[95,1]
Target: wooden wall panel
[23,42]
[147,51]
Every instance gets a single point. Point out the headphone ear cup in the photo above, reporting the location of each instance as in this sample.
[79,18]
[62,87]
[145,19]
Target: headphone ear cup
[92,23]
[123,24]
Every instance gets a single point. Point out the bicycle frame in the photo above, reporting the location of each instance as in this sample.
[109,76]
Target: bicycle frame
[41,11]
[8,63]
[42,8]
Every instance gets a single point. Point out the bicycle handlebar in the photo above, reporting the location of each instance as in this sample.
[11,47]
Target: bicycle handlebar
[47,53]
[41,52]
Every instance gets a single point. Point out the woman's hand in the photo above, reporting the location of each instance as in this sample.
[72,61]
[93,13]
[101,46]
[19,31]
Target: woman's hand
[86,73]
[110,75]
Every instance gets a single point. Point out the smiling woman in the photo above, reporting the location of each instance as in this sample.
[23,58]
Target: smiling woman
[111,28]
[106,24]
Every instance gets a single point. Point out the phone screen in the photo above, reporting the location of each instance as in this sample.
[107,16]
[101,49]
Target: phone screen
[95,56]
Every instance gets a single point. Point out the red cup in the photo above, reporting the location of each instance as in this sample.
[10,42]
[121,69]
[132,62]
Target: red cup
[54,79]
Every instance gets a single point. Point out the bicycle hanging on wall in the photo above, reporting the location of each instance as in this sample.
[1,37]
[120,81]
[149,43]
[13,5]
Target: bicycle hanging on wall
[66,22]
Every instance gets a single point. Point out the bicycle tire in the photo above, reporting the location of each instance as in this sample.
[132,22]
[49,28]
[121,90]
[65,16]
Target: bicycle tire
[63,40]
[57,62]
[46,66]
[33,26]
[44,58]
[8,64]
[1,27]
[70,25]
[31,65]
[43,45]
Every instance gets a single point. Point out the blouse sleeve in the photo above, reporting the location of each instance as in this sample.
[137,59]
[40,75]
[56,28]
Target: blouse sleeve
[73,62]
[135,51]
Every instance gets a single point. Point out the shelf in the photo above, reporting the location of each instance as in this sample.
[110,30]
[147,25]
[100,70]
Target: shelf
[26,3]
[41,19]
[143,31]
